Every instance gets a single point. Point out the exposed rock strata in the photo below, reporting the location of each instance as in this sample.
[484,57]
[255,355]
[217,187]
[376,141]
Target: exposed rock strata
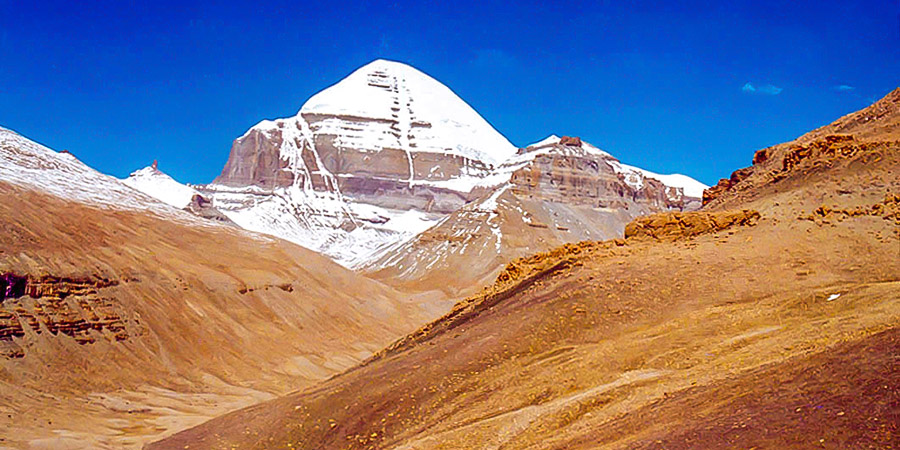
[676,225]
[556,193]
[203,207]
[58,305]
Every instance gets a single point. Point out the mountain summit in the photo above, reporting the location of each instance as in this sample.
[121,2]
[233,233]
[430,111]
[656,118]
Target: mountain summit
[383,155]
[386,120]
[421,114]
[372,160]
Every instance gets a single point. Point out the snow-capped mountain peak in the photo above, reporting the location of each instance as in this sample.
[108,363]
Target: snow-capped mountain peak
[372,160]
[151,181]
[426,115]
[377,158]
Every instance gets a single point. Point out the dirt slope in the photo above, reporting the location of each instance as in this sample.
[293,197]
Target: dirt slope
[559,191]
[846,397]
[133,326]
[783,293]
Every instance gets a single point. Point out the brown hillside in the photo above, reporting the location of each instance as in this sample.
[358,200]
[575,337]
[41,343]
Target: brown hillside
[686,335]
[122,326]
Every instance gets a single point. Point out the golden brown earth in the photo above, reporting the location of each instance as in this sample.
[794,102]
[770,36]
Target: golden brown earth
[716,329]
[136,326]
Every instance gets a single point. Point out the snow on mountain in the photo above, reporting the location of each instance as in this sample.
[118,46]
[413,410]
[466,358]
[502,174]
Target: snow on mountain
[556,191]
[160,186]
[30,165]
[634,176]
[690,186]
[347,231]
[425,115]
[368,162]
[549,140]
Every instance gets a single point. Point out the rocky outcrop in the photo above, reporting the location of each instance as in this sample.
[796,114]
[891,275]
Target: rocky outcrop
[570,141]
[204,208]
[774,164]
[864,134]
[889,210]
[589,179]
[676,225]
[73,307]
[725,184]
[255,160]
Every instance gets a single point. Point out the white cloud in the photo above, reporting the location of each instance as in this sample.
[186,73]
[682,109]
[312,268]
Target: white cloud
[844,88]
[764,89]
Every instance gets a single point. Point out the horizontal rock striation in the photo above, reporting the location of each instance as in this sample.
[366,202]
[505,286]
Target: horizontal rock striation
[677,225]
[588,180]
[57,306]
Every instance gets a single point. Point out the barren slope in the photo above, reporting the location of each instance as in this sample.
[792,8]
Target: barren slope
[557,191]
[708,329]
[120,324]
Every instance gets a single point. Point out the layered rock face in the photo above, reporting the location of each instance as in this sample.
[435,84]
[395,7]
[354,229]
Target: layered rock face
[556,191]
[79,308]
[579,174]
[387,153]
[385,141]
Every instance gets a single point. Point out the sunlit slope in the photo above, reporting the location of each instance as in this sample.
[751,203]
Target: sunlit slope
[661,340]
[124,319]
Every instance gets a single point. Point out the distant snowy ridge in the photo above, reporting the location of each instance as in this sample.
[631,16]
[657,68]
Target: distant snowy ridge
[634,175]
[30,165]
[160,186]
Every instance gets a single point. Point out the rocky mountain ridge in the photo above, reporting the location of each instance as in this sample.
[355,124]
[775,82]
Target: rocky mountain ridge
[123,318]
[387,153]
[555,191]
[768,319]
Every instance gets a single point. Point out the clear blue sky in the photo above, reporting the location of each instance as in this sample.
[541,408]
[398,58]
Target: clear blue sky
[664,87]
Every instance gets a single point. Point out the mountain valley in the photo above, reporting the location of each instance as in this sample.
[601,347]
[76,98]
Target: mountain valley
[768,319]
[385,270]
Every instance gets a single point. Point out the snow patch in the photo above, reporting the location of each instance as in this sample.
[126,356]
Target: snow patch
[634,177]
[490,204]
[161,187]
[425,110]
[30,165]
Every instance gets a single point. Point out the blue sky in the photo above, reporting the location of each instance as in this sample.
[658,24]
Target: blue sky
[693,88]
